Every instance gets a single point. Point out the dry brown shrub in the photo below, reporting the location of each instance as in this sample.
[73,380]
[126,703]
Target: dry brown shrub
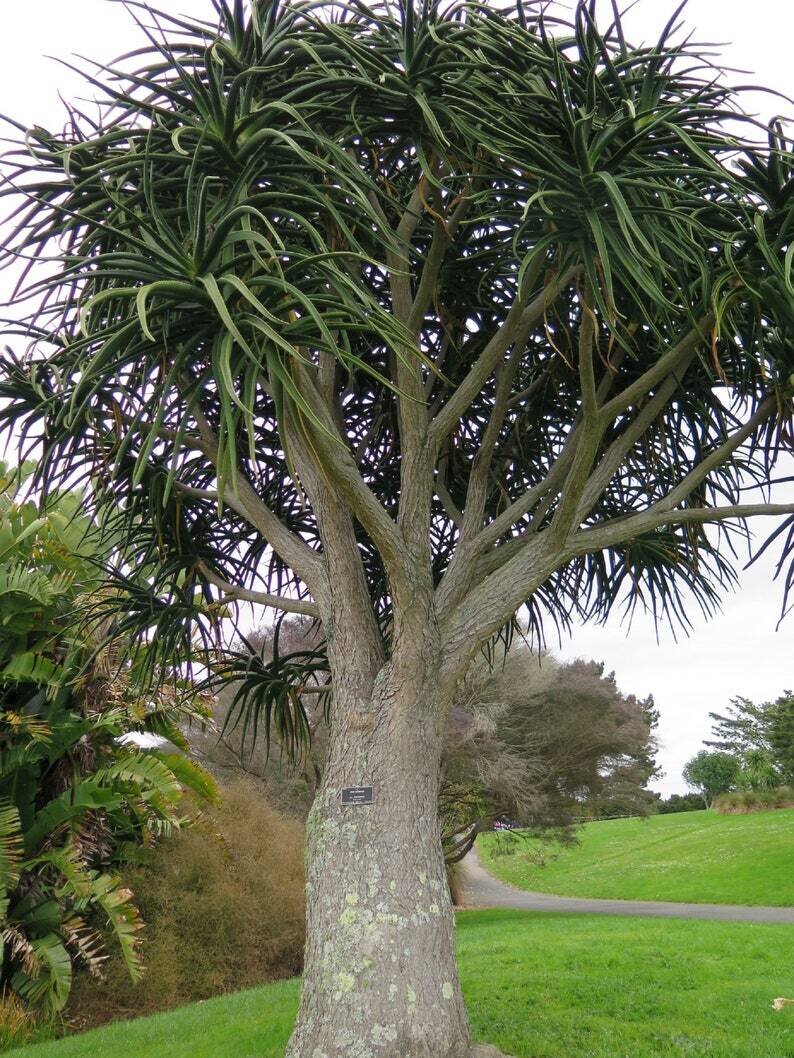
[223,906]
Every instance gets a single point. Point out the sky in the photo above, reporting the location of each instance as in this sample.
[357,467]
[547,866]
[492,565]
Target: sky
[739,652]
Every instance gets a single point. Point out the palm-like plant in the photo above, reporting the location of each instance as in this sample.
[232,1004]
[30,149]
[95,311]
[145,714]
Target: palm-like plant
[75,801]
[406,317]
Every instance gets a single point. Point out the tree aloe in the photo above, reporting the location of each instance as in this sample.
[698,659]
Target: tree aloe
[408,317]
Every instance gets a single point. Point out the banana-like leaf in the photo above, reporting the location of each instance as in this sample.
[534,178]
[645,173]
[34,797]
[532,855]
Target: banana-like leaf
[123,919]
[190,775]
[75,803]
[28,667]
[49,986]
[11,846]
[145,772]
[73,799]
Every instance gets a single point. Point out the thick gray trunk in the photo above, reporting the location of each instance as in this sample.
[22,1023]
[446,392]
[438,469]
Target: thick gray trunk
[380,979]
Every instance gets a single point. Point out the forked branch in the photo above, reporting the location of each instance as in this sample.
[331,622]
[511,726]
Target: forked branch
[233,593]
[518,319]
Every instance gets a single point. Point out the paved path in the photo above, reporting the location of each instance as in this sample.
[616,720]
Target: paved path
[481,889]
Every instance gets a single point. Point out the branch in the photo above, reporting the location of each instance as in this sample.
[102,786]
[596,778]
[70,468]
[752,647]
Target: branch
[443,235]
[588,335]
[590,430]
[720,455]
[473,560]
[292,550]
[477,490]
[443,493]
[660,512]
[513,570]
[669,369]
[326,449]
[305,562]
[430,272]
[487,606]
[502,592]
[354,639]
[504,374]
[185,440]
[667,363]
[438,363]
[415,468]
[519,317]
[622,445]
[620,530]
[199,494]
[232,593]
[532,388]
[397,261]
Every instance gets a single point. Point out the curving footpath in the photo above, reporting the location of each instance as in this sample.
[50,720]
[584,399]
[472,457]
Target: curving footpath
[481,889]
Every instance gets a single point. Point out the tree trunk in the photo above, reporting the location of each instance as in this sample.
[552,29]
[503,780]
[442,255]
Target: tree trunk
[380,979]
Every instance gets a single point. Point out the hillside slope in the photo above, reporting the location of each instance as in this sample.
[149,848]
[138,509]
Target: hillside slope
[537,986]
[697,857]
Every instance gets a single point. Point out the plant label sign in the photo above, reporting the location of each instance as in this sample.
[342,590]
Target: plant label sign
[357,795]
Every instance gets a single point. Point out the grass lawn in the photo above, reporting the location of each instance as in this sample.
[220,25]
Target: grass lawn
[538,986]
[697,857]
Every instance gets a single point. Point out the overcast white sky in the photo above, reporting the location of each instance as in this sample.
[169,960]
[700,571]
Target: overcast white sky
[737,653]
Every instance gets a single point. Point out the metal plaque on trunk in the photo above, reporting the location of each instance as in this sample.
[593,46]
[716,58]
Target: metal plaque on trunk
[357,795]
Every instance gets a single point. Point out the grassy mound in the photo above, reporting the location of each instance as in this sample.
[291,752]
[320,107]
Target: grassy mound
[538,986]
[695,857]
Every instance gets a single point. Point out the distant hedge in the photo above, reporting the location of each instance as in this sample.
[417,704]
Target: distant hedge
[680,803]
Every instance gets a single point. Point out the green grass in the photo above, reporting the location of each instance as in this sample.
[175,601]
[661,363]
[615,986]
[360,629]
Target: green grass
[538,986]
[697,857]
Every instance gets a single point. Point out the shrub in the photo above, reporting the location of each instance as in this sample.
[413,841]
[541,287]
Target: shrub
[729,803]
[743,801]
[223,907]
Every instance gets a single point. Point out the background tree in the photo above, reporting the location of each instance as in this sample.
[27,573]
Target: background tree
[541,744]
[758,732]
[757,771]
[75,801]
[712,774]
[781,736]
[405,318]
[744,726]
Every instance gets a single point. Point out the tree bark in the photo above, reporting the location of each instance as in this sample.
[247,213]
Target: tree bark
[380,979]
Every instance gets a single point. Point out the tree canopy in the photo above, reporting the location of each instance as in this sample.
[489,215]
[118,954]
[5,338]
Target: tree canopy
[761,733]
[531,258]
